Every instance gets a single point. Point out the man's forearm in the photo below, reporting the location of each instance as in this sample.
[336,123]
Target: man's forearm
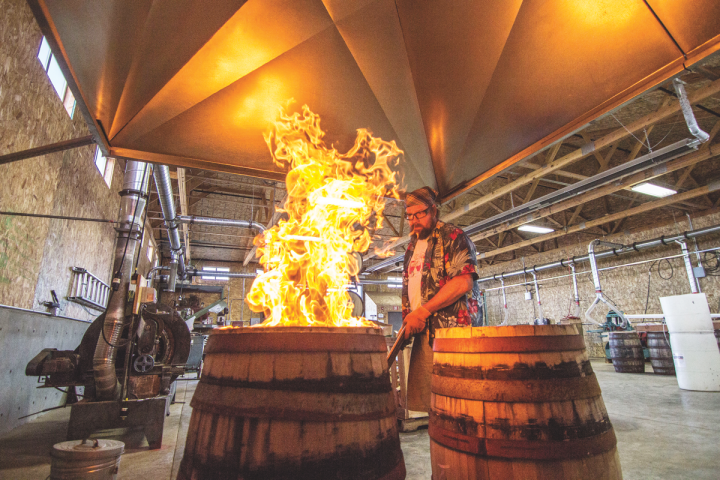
[450,292]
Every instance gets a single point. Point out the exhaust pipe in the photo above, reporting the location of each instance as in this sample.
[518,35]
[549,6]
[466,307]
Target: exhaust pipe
[161,174]
[132,207]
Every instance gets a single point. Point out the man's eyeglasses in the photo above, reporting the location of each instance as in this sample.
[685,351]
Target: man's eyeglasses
[418,215]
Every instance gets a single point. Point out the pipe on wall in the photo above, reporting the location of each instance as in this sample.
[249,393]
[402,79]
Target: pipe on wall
[161,174]
[607,253]
[220,222]
[132,206]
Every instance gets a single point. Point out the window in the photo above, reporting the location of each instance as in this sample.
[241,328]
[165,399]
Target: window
[52,68]
[105,166]
[215,277]
[150,252]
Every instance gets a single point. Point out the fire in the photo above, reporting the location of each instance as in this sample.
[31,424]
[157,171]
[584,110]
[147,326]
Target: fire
[333,200]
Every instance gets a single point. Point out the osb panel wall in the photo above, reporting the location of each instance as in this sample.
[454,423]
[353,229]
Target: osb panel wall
[626,286]
[36,254]
[81,192]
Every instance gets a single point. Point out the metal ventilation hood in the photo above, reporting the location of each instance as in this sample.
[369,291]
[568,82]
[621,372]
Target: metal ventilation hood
[466,88]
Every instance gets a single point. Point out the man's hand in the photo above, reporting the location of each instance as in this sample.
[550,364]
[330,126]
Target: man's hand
[414,321]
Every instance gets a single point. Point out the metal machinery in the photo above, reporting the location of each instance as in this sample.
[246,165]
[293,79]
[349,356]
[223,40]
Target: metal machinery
[130,355]
[614,322]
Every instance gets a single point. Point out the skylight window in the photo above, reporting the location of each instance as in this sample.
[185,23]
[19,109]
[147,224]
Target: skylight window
[653,190]
[535,229]
[215,270]
[57,79]
[105,166]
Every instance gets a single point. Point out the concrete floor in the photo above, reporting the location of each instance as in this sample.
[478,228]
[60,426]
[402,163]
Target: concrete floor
[662,432]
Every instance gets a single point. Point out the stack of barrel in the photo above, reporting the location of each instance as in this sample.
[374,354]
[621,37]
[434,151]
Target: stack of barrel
[294,403]
[518,402]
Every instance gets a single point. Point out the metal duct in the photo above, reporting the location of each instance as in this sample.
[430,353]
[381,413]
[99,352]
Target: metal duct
[219,222]
[692,124]
[196,273]
[607,253]
[167,204]
[132,207]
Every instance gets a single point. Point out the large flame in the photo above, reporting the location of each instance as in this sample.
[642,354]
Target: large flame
[334,201]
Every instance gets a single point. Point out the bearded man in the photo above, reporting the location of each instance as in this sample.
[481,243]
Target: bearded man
[439,287]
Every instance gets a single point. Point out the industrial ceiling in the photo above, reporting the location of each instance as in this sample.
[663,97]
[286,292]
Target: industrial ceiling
[466,88]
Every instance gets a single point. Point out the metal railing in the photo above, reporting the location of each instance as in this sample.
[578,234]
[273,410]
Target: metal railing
[88,290]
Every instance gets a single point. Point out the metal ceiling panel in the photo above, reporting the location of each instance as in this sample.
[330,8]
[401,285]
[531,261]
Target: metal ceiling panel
[174,31]
[100,38]
[453,48]
[339,9]
[227,127]
[374,37]
[259,32]
[694,25]
[564,64]
[465,87]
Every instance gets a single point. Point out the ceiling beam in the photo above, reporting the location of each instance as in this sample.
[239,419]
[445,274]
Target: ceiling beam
[646,207]
[184,210]
[578,201]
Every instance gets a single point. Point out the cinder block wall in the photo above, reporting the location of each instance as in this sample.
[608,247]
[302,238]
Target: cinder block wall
[626,286]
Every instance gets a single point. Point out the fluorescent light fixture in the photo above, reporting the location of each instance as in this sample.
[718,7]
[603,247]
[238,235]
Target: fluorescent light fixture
[654,190]
[303,237]
[535,229]
[398,281]
[339,202]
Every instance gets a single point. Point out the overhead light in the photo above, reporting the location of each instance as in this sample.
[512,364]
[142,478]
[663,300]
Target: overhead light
[654,190]
[535,229]
[397,282]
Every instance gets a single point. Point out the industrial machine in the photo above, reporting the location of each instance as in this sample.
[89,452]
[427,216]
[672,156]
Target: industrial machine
[614,322]
[152,352]
[130,355]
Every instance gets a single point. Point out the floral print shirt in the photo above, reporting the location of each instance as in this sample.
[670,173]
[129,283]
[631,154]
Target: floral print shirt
[449,253]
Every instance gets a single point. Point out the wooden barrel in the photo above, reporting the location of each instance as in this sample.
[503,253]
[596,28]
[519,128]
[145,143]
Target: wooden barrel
[626,352]
[661,357]
[518,402]
[293,403]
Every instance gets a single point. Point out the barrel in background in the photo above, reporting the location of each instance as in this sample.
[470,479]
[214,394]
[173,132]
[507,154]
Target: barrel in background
[661,357]
[518,402]
[294,403]
[626,352]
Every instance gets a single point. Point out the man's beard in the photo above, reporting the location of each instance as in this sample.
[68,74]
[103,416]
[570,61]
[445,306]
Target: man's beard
[425,233]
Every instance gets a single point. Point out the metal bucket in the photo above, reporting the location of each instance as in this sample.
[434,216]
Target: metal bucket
[86,460]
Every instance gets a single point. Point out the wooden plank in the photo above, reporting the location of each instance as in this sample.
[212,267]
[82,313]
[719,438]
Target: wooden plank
[275,217]
[184,210]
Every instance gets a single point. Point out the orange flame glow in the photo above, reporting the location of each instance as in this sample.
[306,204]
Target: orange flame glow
[333,200]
